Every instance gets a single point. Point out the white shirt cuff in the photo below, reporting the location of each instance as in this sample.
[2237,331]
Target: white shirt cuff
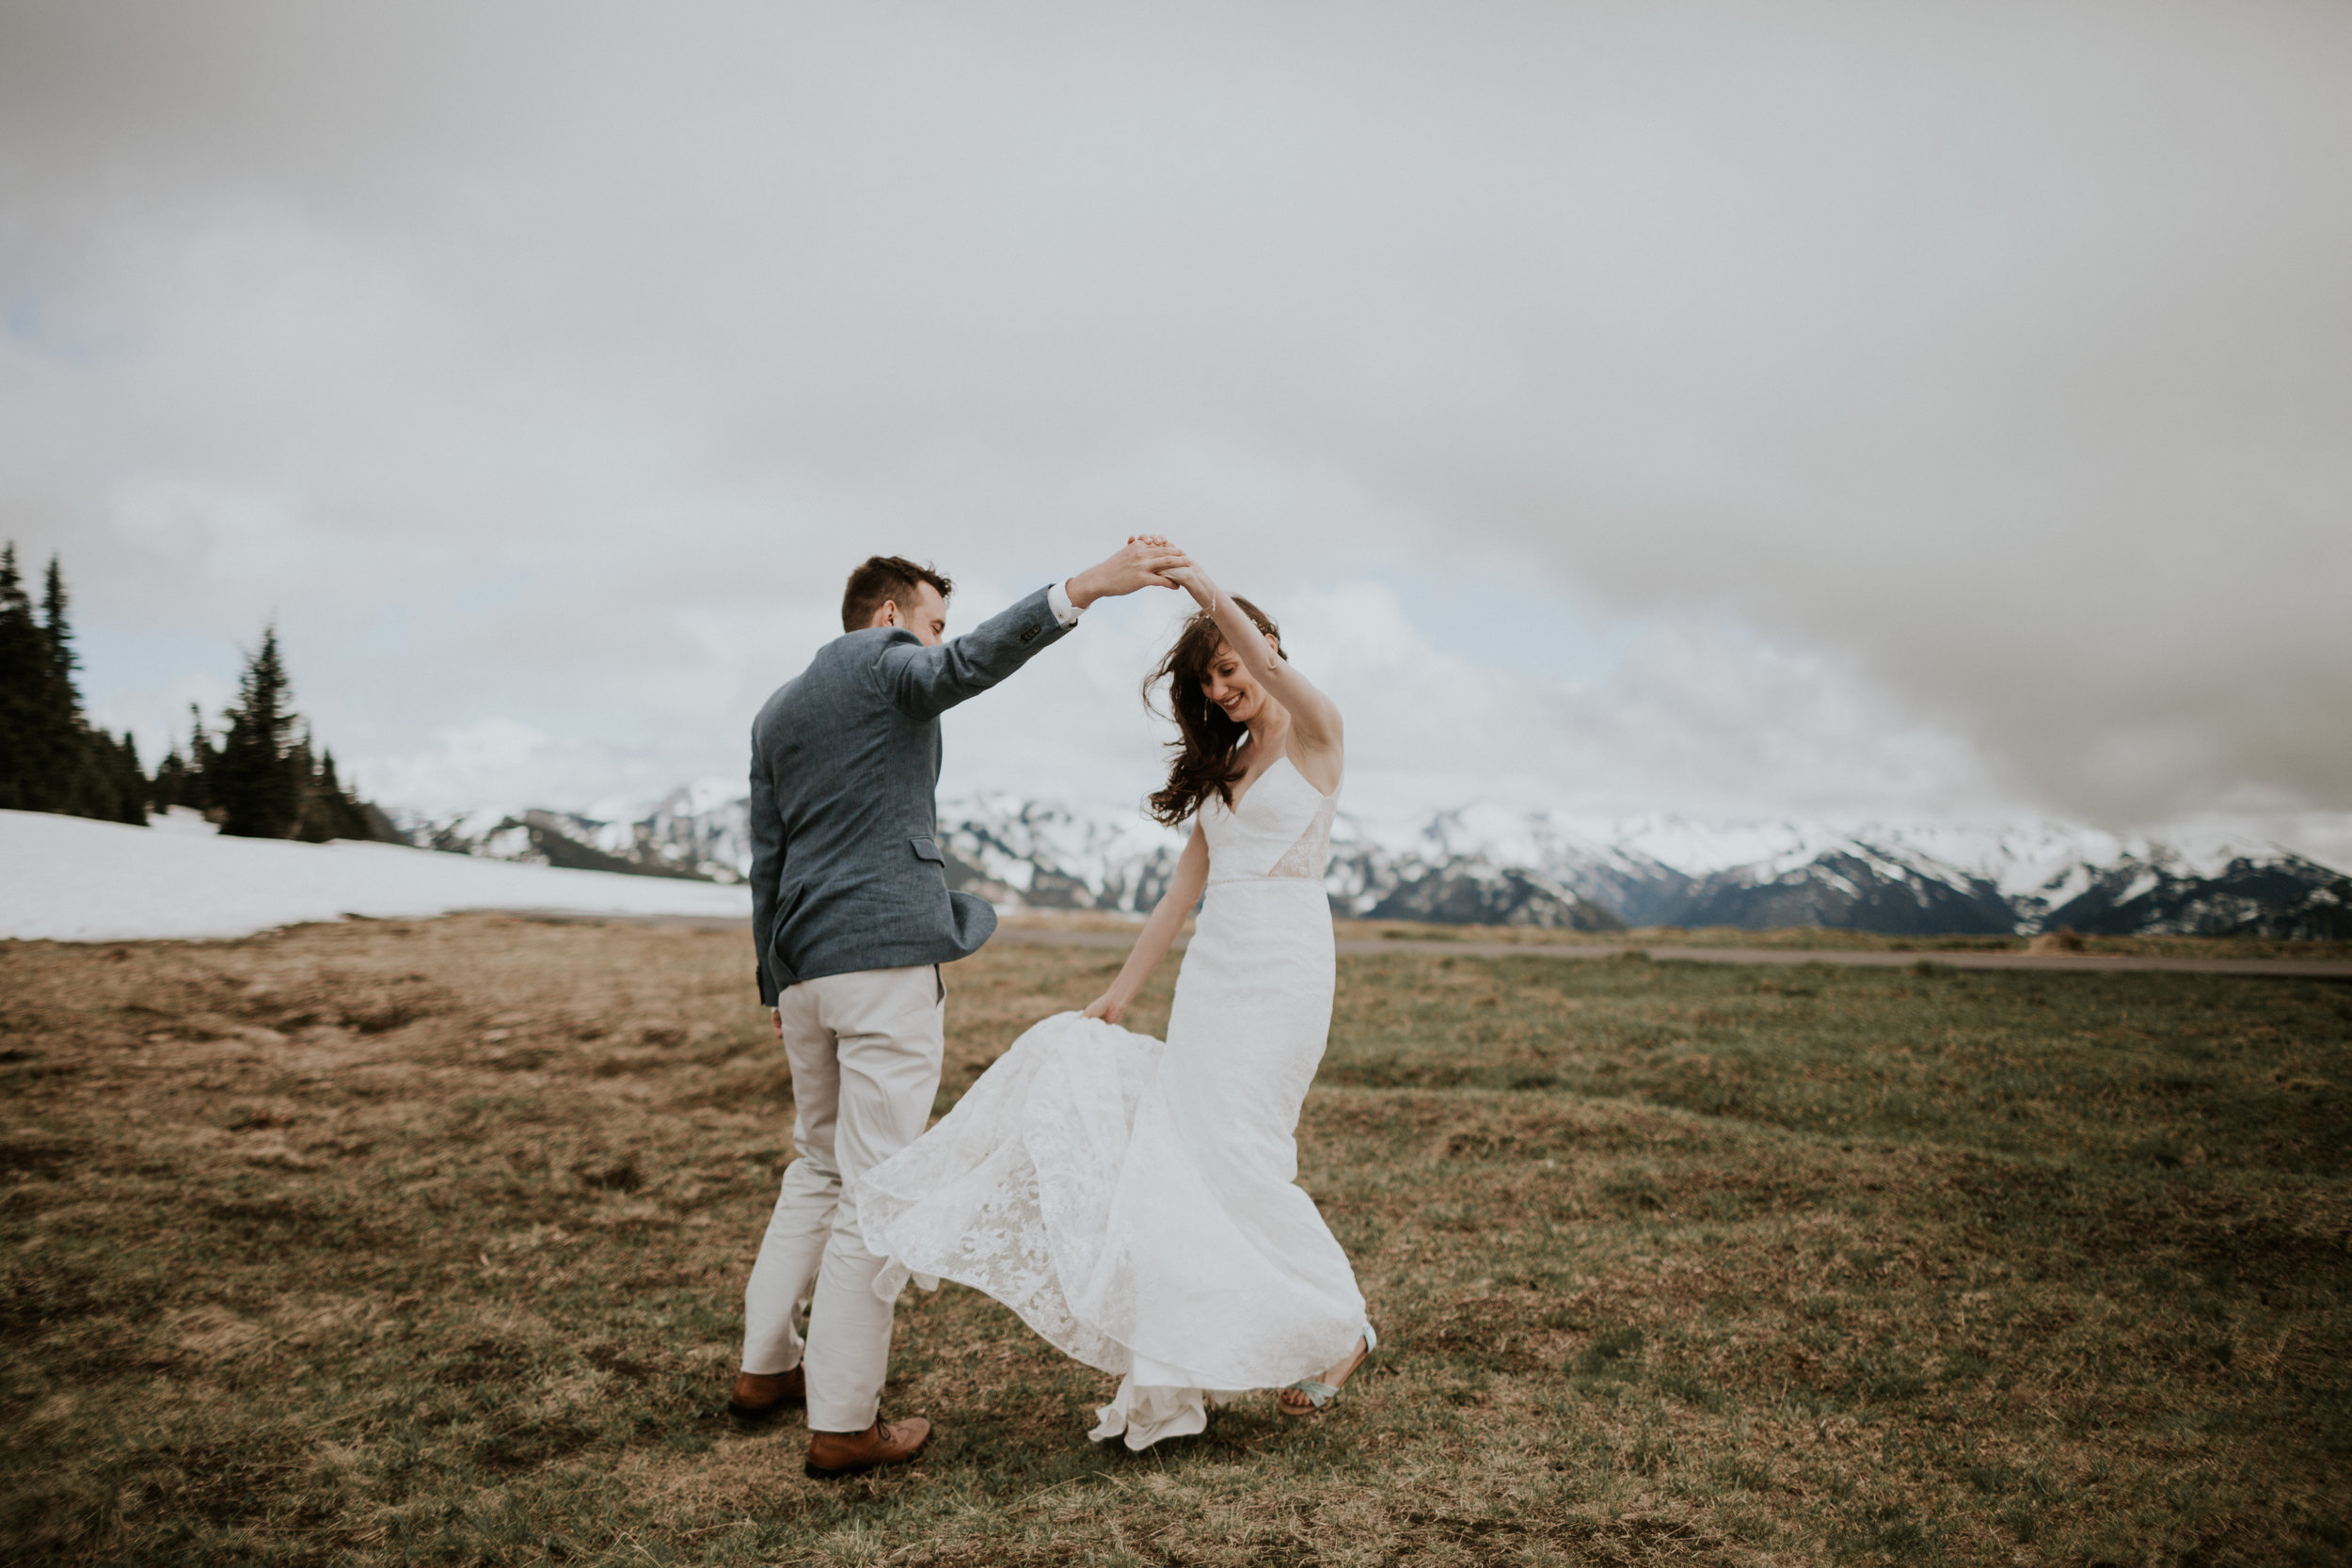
[1057,600]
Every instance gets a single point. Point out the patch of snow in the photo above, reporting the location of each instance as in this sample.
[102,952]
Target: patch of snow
[66,879]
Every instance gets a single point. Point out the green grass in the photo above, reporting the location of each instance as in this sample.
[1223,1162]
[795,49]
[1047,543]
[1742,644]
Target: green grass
[392,1243]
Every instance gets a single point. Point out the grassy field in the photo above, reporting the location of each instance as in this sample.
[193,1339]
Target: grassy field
[423,1243]
[1820,939]
[1782,939]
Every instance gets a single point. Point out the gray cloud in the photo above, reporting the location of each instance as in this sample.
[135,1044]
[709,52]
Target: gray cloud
[1960,392]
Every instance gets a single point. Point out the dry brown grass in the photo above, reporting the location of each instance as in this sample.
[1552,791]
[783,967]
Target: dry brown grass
[391,1242]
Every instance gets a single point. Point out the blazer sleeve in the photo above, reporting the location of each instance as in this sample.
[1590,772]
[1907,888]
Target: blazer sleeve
[768,845]
[924,683]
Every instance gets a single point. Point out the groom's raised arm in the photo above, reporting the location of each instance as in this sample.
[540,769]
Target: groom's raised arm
[923,682]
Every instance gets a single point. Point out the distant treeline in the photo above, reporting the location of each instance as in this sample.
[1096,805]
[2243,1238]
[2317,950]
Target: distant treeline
[259,776]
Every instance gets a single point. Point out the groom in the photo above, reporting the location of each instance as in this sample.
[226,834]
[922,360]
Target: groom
[851,919]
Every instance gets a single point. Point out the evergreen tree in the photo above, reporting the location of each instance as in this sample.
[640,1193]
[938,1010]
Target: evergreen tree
[171,786]
[101,777]
[328,810]
[315,819]
[257,781]
[180,781]
[50,759]
[171,776]
[203,764]
[61,741]
[118,787]
[341,811]
[53,624]
[23,660]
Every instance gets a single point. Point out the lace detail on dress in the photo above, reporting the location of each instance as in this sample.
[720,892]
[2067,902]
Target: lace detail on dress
[1308,857]
[991,1195]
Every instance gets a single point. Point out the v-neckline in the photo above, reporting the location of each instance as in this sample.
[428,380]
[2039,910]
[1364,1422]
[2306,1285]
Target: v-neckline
[1252,789]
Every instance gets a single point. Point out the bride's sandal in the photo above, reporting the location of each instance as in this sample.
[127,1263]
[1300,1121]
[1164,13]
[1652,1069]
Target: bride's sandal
[1315,1396]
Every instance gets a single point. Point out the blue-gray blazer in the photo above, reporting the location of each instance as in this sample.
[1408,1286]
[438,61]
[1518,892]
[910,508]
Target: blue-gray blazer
[847,872]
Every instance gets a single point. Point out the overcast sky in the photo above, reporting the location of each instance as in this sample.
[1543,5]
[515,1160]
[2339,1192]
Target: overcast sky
[1917,409]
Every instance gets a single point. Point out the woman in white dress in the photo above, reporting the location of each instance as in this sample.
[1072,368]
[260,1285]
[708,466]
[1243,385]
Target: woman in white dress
[1137,1203]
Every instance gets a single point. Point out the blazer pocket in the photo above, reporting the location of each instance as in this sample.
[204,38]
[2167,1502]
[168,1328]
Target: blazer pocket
[925,849]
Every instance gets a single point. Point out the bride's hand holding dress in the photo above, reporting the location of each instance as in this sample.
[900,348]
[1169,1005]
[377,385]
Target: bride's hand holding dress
[1158,933]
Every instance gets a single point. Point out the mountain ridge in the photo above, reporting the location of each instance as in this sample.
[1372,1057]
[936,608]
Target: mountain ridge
[1483,865]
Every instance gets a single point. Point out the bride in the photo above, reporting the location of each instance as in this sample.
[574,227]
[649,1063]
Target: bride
[1136,1202]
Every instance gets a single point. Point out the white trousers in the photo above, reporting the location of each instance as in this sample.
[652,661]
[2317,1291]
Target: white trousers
[865,1050]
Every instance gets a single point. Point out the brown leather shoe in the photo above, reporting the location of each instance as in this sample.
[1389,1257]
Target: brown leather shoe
[760,1395]
[834,1454]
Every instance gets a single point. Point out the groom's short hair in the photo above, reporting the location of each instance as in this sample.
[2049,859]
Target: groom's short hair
[885,578]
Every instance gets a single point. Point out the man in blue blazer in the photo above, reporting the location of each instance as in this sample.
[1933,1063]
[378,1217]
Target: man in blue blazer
[851,920]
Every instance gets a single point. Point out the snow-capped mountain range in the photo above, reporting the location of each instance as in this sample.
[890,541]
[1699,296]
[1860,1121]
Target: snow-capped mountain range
[1488,866]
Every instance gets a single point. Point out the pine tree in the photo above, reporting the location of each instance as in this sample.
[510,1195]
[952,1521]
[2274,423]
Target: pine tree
[345,816]
[24,663]
[53,624]
[130,781]
[203,764]
[179,780]
[257,781]
[61,741]
[124,783]
[50,759]
[314,820]
[96,775]
[170,784]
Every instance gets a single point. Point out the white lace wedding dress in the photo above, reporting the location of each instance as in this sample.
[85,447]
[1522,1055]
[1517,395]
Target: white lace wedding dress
[1137,1203]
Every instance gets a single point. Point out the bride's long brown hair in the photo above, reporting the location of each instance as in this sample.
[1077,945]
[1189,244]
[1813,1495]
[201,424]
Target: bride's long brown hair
[1207,736]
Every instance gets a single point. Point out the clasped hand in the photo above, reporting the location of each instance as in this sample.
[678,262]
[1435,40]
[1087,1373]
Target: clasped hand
[1146,560]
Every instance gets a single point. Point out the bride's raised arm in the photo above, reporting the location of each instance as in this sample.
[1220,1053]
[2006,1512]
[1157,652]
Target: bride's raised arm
[1167,918]
[1317,720]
